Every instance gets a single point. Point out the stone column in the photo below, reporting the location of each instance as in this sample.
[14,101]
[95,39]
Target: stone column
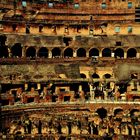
[50,54]
[125,55]
[138,55]
[100,53]
[9,52]
[112,85]
[23,52]
[80,87]
[138,86]
[92,94]
[74,53]
[87,54]
[25,86]
[112,54]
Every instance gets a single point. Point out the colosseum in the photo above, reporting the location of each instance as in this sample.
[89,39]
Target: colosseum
[69,69]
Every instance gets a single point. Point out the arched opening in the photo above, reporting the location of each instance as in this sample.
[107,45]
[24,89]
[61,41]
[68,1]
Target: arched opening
[131,53]
[82,75]
[93,52]
[134,112]
[81,52]
[68,52]
[107,76]
[102,112]
[106,52]
[31,52]
[16,50]
[4,52]
[118,111]
[43,52]
[85,88]
[119,53]
[95,76]
[56,52]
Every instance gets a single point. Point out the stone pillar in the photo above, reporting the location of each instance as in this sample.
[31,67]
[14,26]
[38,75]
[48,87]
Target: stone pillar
[9,52]
[80,87]
[112,54]
[87,54]
[74,53]
[50,54]
[138,55]
[26,86]
[112,85]
[100,53]
[125,55]
[38,86]
[23,51]
[138,86]
[92,94]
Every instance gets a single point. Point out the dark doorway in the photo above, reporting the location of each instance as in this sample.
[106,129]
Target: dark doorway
[31,52]
[93,52]
[131,53]
[82,75]
[95,76]
[16,50]
[117,111]
[68,52]
[81,52]
[102,112]
[119,53]
[56,52]
[43,52]
[106,52]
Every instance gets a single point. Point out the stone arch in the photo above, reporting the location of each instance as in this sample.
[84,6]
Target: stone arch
[106,52]
[81,52]
[93,52]
[95,75]
[82,75]
[117,110]
[3,48]
[43,52]
[119,52]
[131,52]
[133,111]
[102,112]
[68,52]
[107,76]
[31,52]
[16,50]
[4,51]
[56,52]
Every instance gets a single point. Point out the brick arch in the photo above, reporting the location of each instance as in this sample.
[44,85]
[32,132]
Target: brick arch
[16,50]
[117,110]
[30,52]
[119,52]
[68,52]
[106,52]
[82,75]
[131,52]
[81,52]
[107,76]
[42,52]
[93,52]
[102,112]
[56,52]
